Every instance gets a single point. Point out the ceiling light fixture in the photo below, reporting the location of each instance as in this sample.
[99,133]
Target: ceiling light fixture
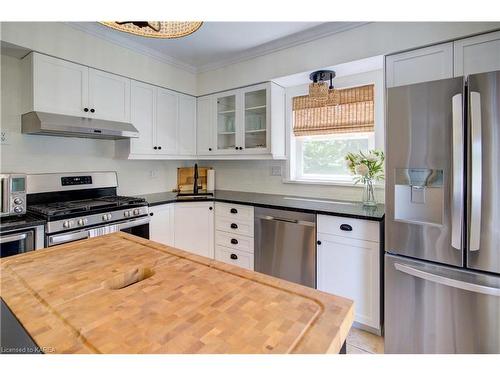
[319,90]
[155,29]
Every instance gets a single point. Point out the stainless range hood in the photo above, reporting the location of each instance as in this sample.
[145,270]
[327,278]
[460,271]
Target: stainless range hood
[74,126]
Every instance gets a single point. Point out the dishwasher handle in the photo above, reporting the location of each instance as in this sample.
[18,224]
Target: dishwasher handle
[291,221]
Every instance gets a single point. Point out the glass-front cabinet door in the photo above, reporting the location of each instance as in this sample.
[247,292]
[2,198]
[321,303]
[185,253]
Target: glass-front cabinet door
[256,111]
[226,121]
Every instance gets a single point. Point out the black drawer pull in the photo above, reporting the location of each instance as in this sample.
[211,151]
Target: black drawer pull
[319,242]
[234,226]
[234,241]
[346,227]
[234,211]
[234,256]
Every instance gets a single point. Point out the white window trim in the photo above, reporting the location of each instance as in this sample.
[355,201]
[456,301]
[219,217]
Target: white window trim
[374,77]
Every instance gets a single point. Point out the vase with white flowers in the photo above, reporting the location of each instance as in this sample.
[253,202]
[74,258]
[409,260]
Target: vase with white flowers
[367,167]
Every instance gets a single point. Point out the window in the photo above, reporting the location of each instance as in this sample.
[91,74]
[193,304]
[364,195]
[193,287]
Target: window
[322,133]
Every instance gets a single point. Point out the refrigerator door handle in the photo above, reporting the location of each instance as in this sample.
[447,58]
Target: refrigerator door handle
[457,172]
[459,284]
[476,171]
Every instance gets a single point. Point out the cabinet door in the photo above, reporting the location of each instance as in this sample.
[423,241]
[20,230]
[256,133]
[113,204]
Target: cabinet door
[479,54]
[167,118]
[421,65]
[143,105]
[204,126]
[186,130]
[161,226]
[350,268]
[109,96]
[194,227]
[255,129]
[226,120]
[59,86]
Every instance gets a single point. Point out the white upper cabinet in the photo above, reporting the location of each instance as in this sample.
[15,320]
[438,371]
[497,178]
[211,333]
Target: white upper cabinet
[56,86]
[186,143]
[247,123]
[421,65]
[143,116]
[478,54]
[204,126]
[167,112]
[109,96]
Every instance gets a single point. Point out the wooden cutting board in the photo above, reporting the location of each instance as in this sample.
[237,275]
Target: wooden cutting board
[123,294]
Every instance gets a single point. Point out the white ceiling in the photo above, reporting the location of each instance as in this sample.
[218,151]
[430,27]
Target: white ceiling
[217,44]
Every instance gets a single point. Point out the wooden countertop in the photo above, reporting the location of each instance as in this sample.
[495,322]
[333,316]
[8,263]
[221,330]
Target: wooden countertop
[72,298]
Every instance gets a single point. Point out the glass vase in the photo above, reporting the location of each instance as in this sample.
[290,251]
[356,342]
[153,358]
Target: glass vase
[369,194]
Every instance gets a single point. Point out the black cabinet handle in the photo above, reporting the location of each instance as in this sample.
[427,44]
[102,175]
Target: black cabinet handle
[234,211]
[236,148]
[85,110]
[234,256]
[241,148]
[346,227]
[151,214]
[156,148]
[159,147]
[318,242]
[234,226]
[234,241]
[210,149]
[210,208]
[92,110]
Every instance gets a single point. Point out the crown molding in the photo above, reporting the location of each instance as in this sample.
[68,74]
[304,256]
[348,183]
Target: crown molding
[301,37]
[120,40]
[314,33]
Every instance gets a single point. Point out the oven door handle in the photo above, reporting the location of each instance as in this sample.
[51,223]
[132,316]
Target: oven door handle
[133,223]
[13,238]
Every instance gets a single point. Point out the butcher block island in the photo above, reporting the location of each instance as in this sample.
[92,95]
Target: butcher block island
[123,294]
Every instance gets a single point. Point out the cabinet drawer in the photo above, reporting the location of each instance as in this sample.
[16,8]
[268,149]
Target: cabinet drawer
[234,241]
[350,228]
[234,257]
[236,211]
[234,225]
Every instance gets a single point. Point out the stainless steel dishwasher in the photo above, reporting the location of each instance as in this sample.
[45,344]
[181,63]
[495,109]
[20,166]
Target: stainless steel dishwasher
[285,245]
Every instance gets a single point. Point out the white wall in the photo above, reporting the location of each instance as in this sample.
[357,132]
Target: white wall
[374,39]
[63,41]
[40,154]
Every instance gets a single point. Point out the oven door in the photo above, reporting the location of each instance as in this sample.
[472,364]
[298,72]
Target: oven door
[138,227]
[17,242]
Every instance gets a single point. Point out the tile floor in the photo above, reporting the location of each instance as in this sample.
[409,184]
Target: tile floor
[361,342]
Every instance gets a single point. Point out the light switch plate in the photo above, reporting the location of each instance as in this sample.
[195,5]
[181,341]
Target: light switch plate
[276,170]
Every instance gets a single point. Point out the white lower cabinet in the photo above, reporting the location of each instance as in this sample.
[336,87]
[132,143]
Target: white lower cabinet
[234,241]
[350,267]
[161,225]
[194,227]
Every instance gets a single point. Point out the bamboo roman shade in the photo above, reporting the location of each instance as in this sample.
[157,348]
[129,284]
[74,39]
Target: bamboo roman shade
[347,111]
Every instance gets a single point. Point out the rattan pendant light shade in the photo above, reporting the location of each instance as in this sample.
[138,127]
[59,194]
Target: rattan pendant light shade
[155,29]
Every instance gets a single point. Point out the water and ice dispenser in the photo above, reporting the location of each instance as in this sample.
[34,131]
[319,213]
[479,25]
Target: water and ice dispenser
[419,196]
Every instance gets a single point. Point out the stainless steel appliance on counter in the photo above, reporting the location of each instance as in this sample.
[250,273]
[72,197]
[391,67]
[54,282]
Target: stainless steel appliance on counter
[84,204]
[13,194]
[285,245]
[442,238]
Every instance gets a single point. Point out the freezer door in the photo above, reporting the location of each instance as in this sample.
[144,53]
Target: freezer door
[438,309]
[483,201]
[425,171]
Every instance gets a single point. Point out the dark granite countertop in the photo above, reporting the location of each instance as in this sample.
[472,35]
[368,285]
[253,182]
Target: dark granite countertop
[287,202]
[19,222]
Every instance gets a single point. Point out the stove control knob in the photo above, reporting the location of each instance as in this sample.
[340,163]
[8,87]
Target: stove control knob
[66,224]
[18,209]
[136,212]
[18,201]
[104,217]
[126,214]
[82,222]
[108,216]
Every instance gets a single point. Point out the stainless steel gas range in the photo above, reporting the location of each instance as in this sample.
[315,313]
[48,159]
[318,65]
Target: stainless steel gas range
[83,205]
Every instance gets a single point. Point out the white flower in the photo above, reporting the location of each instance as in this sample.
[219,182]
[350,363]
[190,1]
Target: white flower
[372,157]
[361,169]
[348,163]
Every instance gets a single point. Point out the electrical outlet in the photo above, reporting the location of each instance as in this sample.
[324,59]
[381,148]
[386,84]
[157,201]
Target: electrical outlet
[4,137]
[153,174]
[276,170]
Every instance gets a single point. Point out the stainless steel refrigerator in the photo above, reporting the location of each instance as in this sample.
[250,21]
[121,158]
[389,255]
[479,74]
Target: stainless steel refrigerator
[442,236]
